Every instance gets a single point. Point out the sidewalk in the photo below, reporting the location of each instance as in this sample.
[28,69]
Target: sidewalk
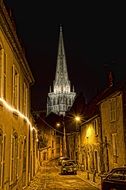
[88,177]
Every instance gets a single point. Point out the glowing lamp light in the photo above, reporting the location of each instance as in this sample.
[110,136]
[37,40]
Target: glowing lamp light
[77,118]
[58,124]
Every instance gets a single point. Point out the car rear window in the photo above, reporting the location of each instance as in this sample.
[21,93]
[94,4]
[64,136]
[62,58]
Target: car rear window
[118,175]
[68,164]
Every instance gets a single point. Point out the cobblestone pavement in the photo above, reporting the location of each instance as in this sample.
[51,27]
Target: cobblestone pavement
[49,178]
[96,182]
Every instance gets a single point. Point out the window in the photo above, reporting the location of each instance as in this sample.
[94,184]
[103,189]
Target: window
[14,157]
[4,77]
[24,155]
[2,157]
[57,140]
[95,124]
[58,150]
[24,161]
[25,99]
[0,69]
[118,175]
[113,109]
[44,155]
[15,84]
[52,144]
[3,73]
[20,155]
[52,132]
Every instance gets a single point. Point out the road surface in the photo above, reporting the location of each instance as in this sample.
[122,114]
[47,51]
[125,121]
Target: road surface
[49,178]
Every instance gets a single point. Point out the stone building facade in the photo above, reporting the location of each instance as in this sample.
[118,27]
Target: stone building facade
[90,155]
[50,137]
[18,135]
[113,109]
[101,143]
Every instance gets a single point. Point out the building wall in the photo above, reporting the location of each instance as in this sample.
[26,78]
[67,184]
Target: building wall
[111,110]
[59,146]
[90,145]
[47,151]
[18,148]
[71,146]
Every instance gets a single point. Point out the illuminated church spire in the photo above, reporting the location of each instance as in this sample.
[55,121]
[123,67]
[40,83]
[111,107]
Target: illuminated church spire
[61,83]
[61,98]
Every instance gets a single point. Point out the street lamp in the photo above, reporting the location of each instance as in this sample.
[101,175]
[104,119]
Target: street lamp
[62,123]
[64,138]
[77,138]
[77,120]
[58,125]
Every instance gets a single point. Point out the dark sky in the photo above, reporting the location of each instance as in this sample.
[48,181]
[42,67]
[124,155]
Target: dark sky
[94,41]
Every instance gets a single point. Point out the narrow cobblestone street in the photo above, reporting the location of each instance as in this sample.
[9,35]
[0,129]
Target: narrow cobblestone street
[49,177]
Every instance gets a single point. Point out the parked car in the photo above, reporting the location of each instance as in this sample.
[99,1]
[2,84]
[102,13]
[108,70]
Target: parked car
[61,160]
[115,179]
[69,167]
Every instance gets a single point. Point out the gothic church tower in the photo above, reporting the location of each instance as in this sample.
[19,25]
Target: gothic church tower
[61,98]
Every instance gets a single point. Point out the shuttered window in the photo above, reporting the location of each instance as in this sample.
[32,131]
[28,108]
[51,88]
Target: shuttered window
[15,87]
[113,109]
[2,157]
[14,157]
[3,70]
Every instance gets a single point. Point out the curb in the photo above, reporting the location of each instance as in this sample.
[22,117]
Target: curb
[90,182]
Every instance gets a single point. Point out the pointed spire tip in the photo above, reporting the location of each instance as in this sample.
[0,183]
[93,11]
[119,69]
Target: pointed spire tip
[61,27]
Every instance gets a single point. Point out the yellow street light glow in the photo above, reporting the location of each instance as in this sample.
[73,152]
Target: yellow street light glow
[89,132]
[10,108]
[77,118]
[58,124]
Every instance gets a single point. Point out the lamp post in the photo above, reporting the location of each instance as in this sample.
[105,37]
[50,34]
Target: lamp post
[77,139]
[77,120]
[64,138]
[62,123]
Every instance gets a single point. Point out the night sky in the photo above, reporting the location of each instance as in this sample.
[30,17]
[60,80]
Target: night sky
[94,41]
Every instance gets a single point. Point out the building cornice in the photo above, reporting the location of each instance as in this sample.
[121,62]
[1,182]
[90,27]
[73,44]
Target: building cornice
[8,28]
